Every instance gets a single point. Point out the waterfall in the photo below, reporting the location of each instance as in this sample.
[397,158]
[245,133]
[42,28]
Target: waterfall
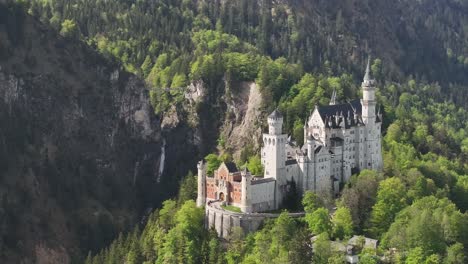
[161,160]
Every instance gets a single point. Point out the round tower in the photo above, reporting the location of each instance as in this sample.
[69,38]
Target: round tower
[246,196]
[368,97]
[274,147]
[275,123]
[201,197]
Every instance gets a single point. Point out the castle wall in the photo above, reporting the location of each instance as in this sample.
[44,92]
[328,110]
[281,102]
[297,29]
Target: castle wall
[224,221]
[222,173]
[263,196]
[235,192]
[293,173]
[211,188]
[322,171]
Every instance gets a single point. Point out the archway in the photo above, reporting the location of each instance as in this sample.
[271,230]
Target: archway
[221,196]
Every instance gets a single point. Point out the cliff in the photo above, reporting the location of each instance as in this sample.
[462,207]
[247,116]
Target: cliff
[82,154]
[79,145]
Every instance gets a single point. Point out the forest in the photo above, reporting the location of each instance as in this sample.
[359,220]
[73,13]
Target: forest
[298,52]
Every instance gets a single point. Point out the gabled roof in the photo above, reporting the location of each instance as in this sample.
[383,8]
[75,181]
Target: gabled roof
[331,110]
[231,166]
[341,115]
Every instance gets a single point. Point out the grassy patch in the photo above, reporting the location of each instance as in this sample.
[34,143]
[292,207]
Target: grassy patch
[232,208]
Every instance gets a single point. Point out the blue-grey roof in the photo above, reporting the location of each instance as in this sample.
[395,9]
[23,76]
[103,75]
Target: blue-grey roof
[231,166]
[331,110]
[344,111]
[275,114]
[262,180]
[367,76]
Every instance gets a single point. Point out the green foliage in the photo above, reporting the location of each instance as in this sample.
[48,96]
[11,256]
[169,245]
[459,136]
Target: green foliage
[360,195]
[69,29]
[415,256]
[183,242]
[212,163]
[319,221]
[322,249]
[460,192]
[298,132]
[188,189]
[391,198]
[429,223]
[255,165]
[367,259]
[455,254]
[279,242]
[147,66]
[311,202]
[342,223]
[232,208]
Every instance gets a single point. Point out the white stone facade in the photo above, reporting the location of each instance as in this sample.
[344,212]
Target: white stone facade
[340,139]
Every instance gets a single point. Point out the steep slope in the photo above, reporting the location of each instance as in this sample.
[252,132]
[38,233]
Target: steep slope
[424,39]
[79,145]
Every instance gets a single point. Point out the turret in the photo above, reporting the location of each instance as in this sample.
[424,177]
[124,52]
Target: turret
[246,202]
[201,196]
[274,147]
[275,123]
[368,97]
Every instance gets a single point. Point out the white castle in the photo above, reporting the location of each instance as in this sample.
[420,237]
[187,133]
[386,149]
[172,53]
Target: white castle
[339,140]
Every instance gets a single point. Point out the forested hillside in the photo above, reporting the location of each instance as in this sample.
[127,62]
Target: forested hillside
[424,39]
[298,52]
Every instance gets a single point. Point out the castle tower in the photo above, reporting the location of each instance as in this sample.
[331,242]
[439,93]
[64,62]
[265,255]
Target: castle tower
[201,197]
[368,99]
[274,147]
[275,123]
[246,202]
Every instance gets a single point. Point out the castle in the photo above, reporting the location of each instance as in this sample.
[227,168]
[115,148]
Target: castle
[339,140]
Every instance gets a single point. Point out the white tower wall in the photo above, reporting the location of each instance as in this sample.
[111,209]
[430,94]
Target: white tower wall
[246,197]
[201,193]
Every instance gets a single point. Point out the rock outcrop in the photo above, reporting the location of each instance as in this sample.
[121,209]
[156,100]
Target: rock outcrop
[82,154]
[79,146]
[244,122]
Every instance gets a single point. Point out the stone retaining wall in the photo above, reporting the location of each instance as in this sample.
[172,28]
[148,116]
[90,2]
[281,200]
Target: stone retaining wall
[223,221]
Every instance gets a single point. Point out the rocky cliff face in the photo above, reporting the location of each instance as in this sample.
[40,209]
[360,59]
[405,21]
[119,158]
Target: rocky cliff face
[79,146]
[245,118]
[82,154]
[234,114]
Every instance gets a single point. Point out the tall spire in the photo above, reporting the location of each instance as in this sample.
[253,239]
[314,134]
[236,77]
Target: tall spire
[368,76]
[333,98]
